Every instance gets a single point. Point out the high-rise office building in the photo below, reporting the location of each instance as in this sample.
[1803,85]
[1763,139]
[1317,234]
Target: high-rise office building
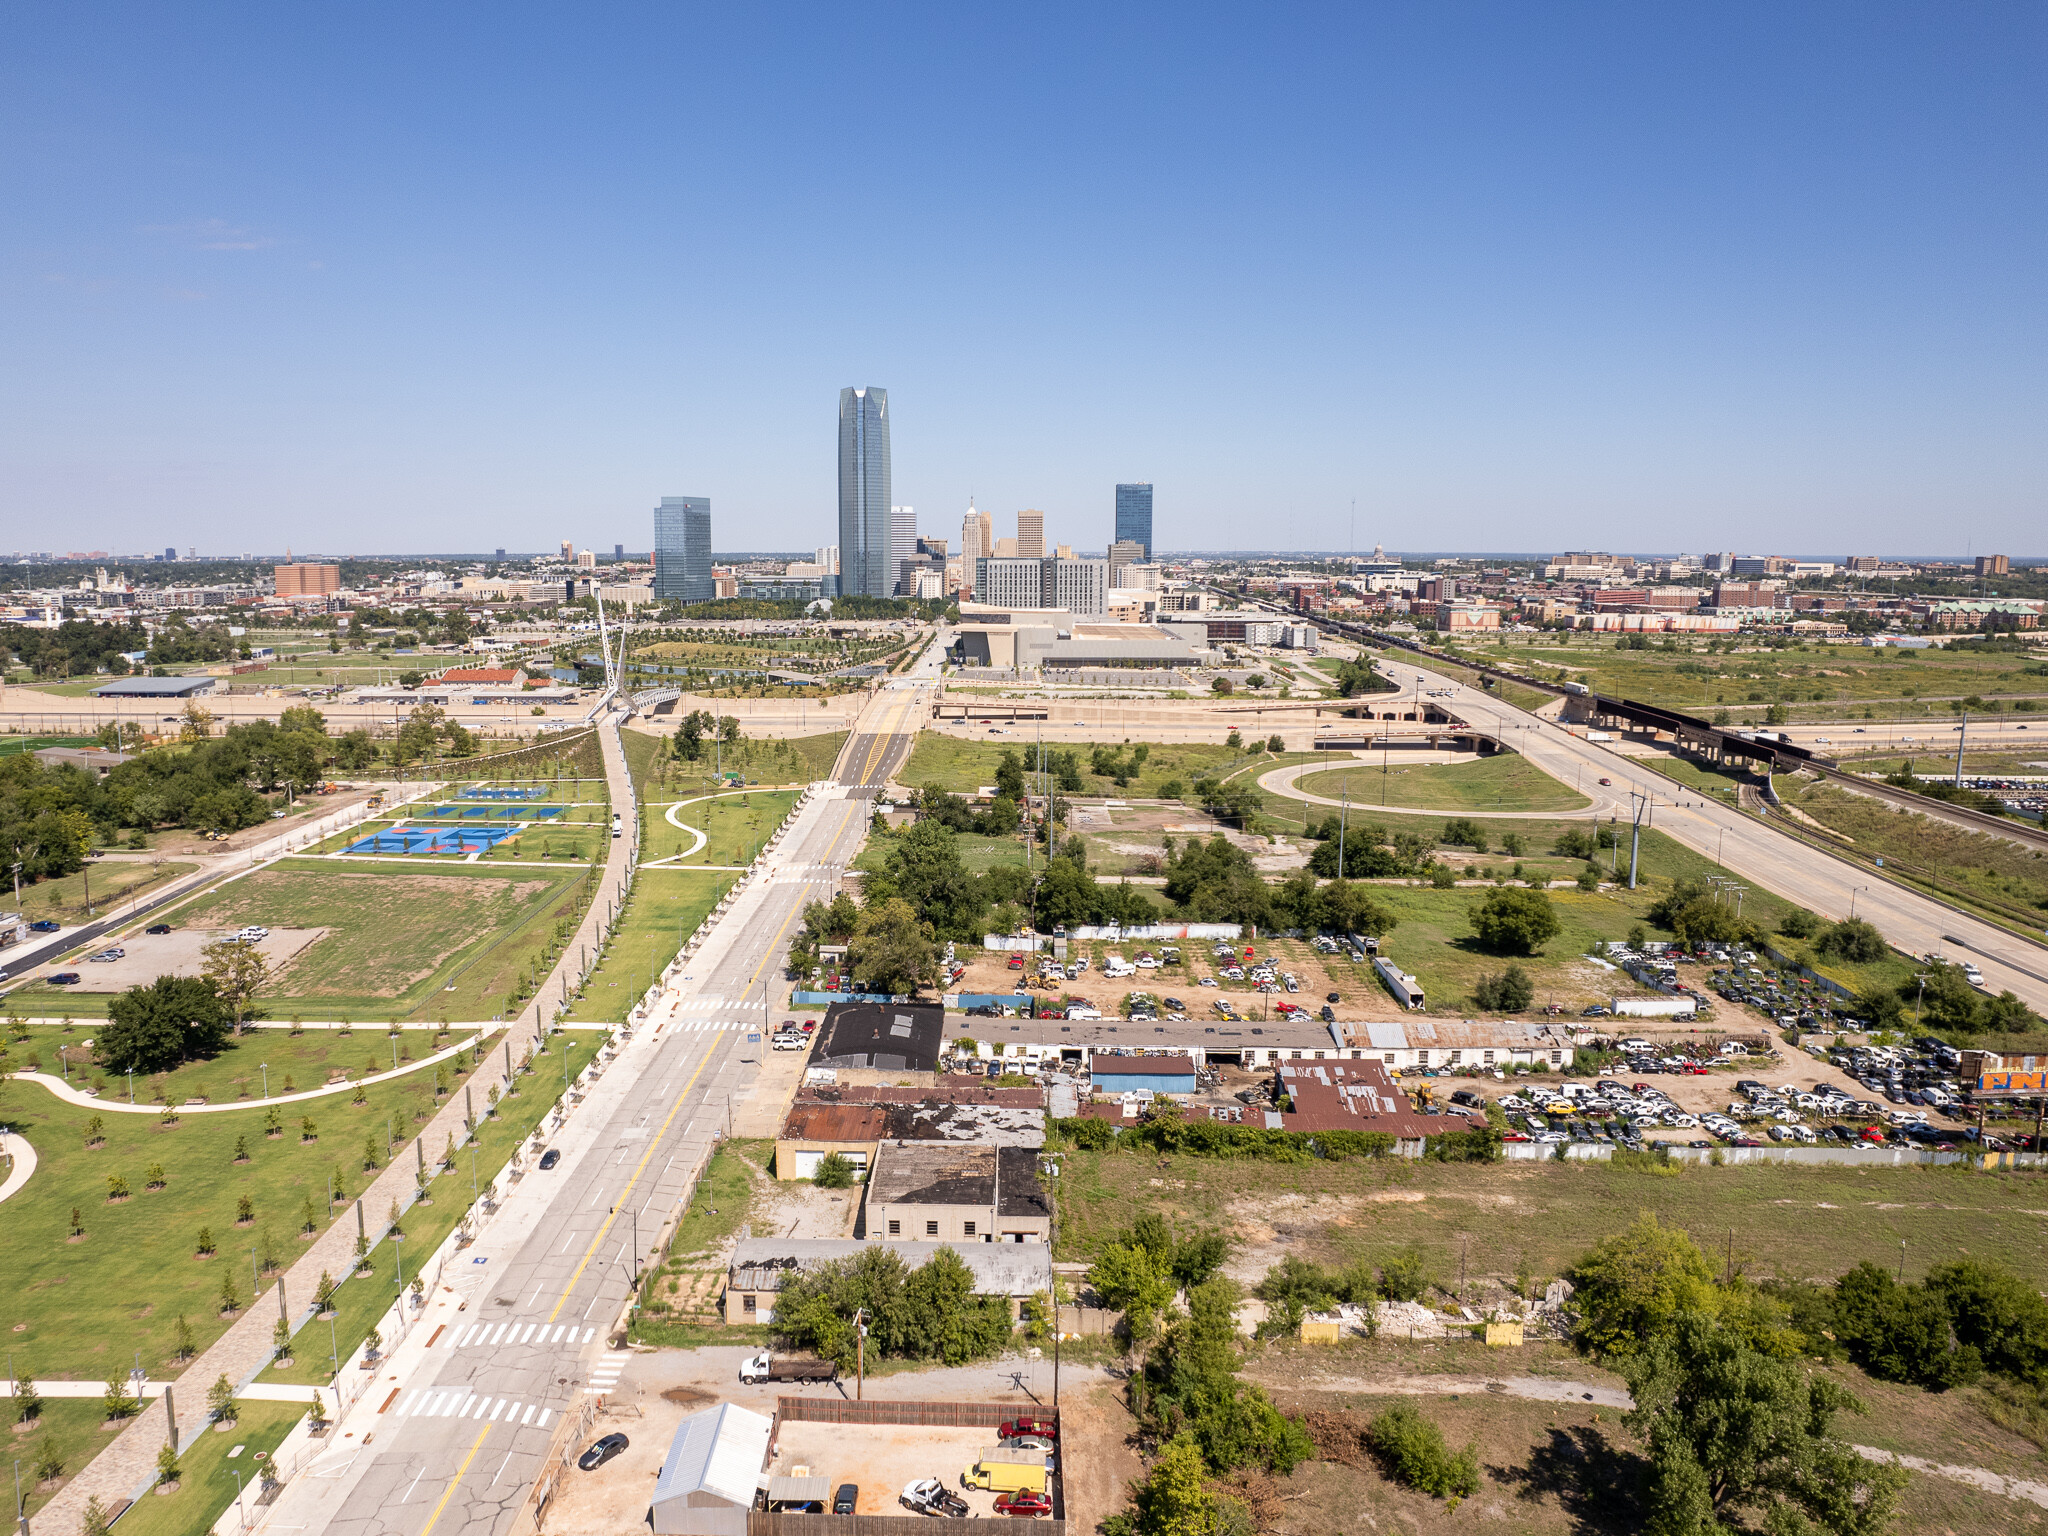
[501,554]
[977,541]
[902,548]
[300,579]
[864,527]
[1124,554]
[568,549]
[1081,587]
[1030,535]
[1134,516]
[618,551]
[682,549]
[171,551]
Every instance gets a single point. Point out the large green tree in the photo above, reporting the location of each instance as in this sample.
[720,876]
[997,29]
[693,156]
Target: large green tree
[892,949]
[1515,922]
[155,1027]
[1737,1438]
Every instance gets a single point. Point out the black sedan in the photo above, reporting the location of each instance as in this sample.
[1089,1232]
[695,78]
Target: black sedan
[158,928]
[549,1158]
[602,1452]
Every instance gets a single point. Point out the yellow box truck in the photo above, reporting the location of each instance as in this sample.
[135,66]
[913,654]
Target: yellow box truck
[1002,1471]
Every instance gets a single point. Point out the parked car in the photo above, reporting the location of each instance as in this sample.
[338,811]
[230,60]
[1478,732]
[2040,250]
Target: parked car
[549,1158]
[44,926]
[158,928]
[1024,1504]
[65,979]
[601,1452]
[846,1498]
[1044,1429]
[929,1496]
[787,1042]
[252,935]
[106,956]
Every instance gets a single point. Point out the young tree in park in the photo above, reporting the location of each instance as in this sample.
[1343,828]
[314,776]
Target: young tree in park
[167,1463]
[220,1400]
[237,971]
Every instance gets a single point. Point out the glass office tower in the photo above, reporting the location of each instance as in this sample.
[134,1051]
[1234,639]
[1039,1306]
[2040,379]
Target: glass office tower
[864,534]
[1134,516]
[682,549]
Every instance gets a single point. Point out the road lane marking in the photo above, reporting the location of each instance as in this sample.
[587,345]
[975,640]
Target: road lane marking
[467,1404]
[498,1334]
[449,1493]
[527,1417]
[413,1484]
[410,1403]
[433,1411]
[493,1414]
[501,1470]
[652,1143]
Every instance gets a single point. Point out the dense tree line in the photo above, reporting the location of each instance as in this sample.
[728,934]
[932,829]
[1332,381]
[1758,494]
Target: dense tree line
[926,1313]
[74,646]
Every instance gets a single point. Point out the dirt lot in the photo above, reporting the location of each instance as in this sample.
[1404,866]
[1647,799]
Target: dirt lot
[151,955]
[660,1387]
[882,1458]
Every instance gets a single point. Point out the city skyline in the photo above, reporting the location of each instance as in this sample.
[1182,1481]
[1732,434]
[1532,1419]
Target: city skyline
[1666,277]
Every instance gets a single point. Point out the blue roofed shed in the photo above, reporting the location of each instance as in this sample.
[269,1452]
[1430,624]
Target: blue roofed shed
[1127,1074]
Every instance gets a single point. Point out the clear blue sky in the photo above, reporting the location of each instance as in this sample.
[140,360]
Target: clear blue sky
[415,277]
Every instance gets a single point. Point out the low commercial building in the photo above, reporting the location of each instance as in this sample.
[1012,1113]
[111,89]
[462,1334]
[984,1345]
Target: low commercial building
[1155,1074]
[920,1192]
[886,1037]
[97,761]
[1432,1044]
[762,1266]
[855,1121]
[1358,1096]
[714,1467]
[156,688]
[1030,1043]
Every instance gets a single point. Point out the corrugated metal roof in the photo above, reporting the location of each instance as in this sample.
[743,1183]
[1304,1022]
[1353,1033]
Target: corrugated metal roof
[1142,1066]
[719,1451]
[999,1269]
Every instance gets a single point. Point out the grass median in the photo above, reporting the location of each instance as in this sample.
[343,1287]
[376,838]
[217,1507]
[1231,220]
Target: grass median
[666,907]
[1503,782]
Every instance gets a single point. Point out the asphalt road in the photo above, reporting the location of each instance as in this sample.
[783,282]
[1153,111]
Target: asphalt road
[1755,852]
[469,1420]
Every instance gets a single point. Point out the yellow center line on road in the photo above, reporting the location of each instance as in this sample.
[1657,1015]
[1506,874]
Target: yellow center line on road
[459,1471]
[681,1098]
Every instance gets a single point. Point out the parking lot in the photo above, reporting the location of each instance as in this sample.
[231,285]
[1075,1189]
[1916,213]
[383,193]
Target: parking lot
[177,953]
[883,1459]
[1178,970]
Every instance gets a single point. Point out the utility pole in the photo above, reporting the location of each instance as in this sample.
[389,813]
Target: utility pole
[1962,735]
[1635,839]
[860,1345]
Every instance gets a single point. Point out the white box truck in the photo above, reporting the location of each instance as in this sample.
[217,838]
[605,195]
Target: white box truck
[1655,1007]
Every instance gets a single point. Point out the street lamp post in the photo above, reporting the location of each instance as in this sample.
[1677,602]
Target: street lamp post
[264,1067]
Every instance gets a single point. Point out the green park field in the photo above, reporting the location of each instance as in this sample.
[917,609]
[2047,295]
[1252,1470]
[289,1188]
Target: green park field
[665,907]
[736,822]
[1503,782]
[81,1309]
[962,767]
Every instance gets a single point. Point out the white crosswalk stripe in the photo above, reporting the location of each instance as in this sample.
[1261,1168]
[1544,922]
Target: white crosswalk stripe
[429,1404]
[490,1336]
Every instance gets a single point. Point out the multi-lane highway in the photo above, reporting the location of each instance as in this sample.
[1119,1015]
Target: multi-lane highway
[1912,922]
[455,1432]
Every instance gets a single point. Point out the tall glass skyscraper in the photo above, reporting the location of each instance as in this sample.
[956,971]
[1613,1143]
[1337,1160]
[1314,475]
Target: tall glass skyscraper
[1134,516]
[682,549]
[865,544]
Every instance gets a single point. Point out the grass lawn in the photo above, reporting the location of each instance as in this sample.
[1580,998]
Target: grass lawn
[965,766]
[11,744]
[1504,782]
[89,1305]
[364,1298]
[456,942]
[665,908]
[69,1426]
[768,760]
[721,1202]
[112,882]
[736,822]
[297,1063]
[977,853]
[1788,1221]
[206,1485]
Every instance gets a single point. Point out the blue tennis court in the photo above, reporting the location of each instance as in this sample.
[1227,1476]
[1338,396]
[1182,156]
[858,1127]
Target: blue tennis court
[504,794]
[438,840]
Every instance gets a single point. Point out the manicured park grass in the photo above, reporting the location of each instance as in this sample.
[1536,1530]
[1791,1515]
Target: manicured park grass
[1506,781]
[962,767]
[977,853]
[206,1484]
[294,1063]
[769,760]
[664,909]
[399,941]
[737,824]
[364,1298]
[69,1426]
[91,1304]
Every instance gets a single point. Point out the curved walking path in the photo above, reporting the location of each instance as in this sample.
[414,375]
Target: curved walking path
[1544,1389]
[71,1095]
[127,1463]
[1280,781]
[24,1157]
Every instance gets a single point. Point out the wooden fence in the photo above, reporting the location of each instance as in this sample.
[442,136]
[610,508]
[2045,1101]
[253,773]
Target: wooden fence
[761,1523]
[834,1410]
